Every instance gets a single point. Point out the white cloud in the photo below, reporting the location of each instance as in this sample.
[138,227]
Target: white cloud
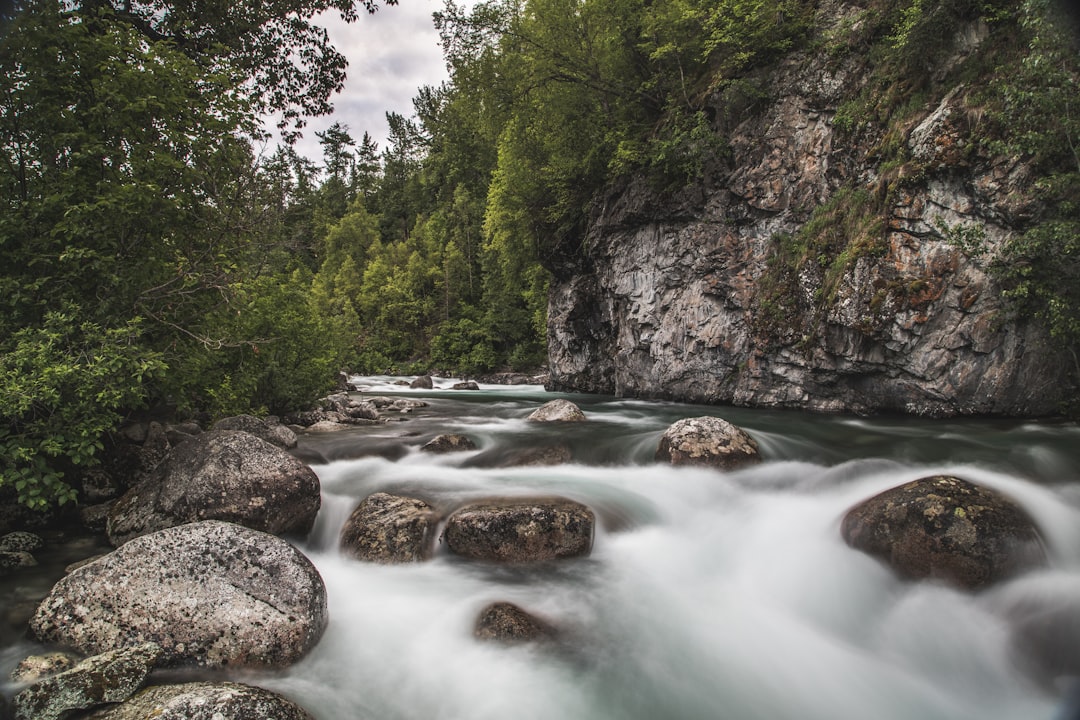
[391,55]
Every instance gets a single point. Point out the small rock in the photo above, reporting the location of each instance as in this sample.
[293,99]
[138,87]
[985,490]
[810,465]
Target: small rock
[467,385]
[21,541]
[448,444]
[16,560]
[423,382]
[407,404]
[709,441]
[521,530]
[204,701]
[111,677]
[508,623]
[388,528]
[946,528]
[557,411]
[38,667]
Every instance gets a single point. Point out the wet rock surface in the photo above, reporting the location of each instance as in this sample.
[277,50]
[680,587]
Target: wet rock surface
[387,528]
[111,677]
[448,443]
[210,593]
[204,701]
[557,411]
[946,528]
[521,530]
[221,475]
[272,432]
[507,623]
[709,441]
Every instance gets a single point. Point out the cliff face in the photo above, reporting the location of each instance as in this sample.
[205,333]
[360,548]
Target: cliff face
[726,296]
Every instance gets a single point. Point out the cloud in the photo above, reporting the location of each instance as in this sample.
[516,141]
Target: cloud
[391,55]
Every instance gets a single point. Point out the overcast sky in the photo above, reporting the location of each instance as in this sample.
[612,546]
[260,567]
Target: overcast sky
[391,54]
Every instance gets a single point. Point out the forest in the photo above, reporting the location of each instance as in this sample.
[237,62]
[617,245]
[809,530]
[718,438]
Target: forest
[157,252]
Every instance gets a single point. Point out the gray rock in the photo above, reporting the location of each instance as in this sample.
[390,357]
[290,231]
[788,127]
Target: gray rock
[946,528]
[110,677]
[422,383]
[535,456]
[95,517]
[221,475]
[521,530]
[507,623]
[37,667]
[557,411]
[448,443]
[13,561]
[467,385]
[407,404]
[210,593]
[273,433]
[21,541]
[98,485]
[388,528]
[204,701]
[709,441]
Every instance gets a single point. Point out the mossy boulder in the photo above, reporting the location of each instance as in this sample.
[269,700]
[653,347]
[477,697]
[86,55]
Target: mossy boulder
[708,441]
[946,528]
[521,530]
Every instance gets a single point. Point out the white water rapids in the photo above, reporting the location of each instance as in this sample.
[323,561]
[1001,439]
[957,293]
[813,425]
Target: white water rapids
[707,594]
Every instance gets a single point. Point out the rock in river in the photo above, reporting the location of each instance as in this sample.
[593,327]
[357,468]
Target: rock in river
[388,528]
[507,623]
[210,593]
[946,528]
[204,701]
[557,411]
[521,530]
[709,441]
[221,475]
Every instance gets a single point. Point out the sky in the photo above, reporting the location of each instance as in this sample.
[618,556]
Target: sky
[391,54]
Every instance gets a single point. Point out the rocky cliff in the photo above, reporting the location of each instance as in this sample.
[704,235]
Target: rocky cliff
[827,264]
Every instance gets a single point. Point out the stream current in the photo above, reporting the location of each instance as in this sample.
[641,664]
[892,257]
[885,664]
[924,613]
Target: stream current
[708,594]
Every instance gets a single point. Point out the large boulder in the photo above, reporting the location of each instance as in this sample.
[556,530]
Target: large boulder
[424,382]
[272,432]
[557,411]
[221,475]
[210,593]
[946,528]
[111,677]
[204,701]
[708,441]
[507,623]
[388,528]
[521,530]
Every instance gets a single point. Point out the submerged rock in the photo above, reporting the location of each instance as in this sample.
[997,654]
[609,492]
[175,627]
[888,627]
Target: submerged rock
[467,385]
[111,677]
[536,456]
[448,443]
[709,441]
[38,667]
[210,593]
[521,530]
[946,528]
[221,475]
[388,528]
[508,623]
[557,411]
[204,701]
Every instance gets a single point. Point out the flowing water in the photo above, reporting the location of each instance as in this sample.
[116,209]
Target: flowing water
[707,594]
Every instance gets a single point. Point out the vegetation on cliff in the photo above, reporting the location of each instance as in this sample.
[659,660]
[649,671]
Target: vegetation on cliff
[151,253]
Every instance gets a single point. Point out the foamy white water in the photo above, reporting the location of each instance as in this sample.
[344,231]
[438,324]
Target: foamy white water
[707,594]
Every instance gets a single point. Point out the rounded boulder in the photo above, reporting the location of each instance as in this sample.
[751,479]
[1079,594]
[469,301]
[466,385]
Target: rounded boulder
[708,441]
[389,529]
[221,475]
[507,623]
[946,528]
[521,530]
[210,594]
[557,411]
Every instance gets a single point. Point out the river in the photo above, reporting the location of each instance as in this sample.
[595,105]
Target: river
[707,595]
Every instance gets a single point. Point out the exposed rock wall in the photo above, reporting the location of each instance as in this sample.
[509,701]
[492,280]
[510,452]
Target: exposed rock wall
[690,299]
